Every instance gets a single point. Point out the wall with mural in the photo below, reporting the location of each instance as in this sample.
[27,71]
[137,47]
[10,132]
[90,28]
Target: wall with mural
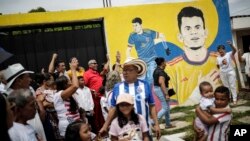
[188,64]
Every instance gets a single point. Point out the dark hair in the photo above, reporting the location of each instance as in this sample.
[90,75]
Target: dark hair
[159,60]
[122,120]
[202,84]
[58,62]
[40,77]
[189,12]
[72,131]
[137,20]
[4,135]
[61,84]
[220,47]
[222,89]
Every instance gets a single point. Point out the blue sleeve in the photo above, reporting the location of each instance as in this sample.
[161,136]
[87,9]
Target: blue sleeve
[154,34]
[131,40]
[149,93]
[114,95]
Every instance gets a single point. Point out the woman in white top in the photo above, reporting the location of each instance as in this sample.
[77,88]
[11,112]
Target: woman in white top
[65,105]
[246,58]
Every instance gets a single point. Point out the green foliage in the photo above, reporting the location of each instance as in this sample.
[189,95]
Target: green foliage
[38,9]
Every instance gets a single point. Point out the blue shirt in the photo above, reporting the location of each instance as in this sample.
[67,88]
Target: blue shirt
[144,44]
[141,92]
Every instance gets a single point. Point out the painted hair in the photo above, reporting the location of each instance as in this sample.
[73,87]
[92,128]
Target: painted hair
[72,131]
[222,89]
[122,120]
[3,119]
[137,20]
[189,12]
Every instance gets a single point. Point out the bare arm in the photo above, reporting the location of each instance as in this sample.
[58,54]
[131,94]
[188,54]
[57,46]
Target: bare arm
[111,116]
[52,63]
[163,86]
[240,56]
[207,119]
[232,47]
[128,52]
[219,110]
[106,67]
[74,86]
[145,136]
[118,61]
[154,117]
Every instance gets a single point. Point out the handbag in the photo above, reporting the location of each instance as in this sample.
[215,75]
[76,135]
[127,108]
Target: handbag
[171,92]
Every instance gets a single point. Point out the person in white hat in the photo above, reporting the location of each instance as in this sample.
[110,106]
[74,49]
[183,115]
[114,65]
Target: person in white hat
[128,125]
[18,77]
[139,89]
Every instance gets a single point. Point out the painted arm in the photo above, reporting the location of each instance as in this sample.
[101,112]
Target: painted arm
[205,118]
[52,63]
[74,86]
[154,117]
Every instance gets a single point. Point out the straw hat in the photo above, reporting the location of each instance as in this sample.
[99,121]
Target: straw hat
[140,64]
[12,72]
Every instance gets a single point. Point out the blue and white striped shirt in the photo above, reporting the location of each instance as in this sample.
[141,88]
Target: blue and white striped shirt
[141,92]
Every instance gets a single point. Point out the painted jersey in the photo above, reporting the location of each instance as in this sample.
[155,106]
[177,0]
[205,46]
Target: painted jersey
[144,44]
[185,75]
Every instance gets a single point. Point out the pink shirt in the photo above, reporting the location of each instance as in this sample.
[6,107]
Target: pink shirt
[130,130]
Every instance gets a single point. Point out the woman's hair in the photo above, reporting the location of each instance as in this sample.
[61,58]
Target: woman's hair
[3,119]
[159,60]
[122,120]
[62,84]
[72,131]
[20,97]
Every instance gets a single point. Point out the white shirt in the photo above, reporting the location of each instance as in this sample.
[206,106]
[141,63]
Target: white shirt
[246,56]
[21,132]
[104,103]
[205,103]
[227,65]
[84,98]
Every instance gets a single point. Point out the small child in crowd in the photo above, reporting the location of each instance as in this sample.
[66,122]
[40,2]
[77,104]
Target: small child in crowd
[207,102]
[78,131]
[128,125]
[104,103]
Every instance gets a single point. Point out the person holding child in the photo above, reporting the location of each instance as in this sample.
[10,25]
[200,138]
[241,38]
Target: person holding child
[217,122]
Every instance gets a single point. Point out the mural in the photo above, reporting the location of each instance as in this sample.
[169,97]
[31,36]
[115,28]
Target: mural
[191,32]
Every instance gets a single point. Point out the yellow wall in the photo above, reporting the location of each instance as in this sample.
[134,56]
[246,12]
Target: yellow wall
[159,17]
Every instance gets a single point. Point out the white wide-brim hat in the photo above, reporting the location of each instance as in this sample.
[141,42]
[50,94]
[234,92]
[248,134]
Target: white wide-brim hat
[12,72]
[140,64]
[126,98]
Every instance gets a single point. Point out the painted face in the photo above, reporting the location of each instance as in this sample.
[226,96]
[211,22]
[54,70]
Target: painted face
[137,27]
[221,100]
[84,132]
[129,73]
[24,81]
[125,108]
[207,91]
[193,34]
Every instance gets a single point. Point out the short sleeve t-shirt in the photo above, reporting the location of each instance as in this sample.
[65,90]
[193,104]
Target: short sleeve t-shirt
[130,130]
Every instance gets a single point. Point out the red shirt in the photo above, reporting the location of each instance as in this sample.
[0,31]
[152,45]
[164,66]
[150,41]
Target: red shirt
[93,79]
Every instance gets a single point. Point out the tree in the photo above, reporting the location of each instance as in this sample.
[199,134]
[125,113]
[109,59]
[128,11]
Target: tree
[38,9]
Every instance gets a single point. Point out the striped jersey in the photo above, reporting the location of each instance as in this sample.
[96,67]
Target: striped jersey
[141,92]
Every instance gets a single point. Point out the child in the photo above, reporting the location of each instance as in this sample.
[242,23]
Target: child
[128,125]
[104,103]
[78,131]
[219,121]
